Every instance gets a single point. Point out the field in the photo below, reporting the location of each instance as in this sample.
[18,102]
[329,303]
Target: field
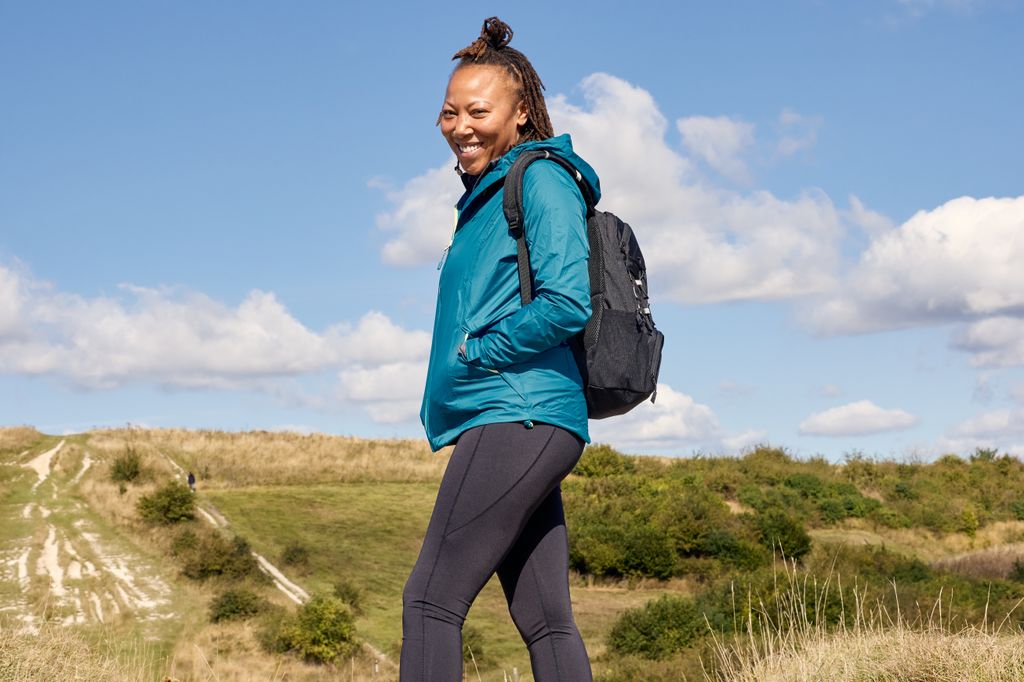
[88,588]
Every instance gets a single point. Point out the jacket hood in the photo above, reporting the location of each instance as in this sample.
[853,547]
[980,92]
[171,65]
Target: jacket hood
[499,168]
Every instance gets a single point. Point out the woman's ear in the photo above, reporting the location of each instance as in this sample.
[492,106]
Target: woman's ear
[522,114]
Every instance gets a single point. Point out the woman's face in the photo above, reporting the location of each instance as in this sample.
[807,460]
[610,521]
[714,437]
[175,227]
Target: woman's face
[481,115]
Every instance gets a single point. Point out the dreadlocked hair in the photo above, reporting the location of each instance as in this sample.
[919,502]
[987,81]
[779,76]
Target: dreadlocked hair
[491,49]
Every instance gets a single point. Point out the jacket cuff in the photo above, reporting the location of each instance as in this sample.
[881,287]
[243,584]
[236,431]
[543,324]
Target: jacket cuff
[475,352]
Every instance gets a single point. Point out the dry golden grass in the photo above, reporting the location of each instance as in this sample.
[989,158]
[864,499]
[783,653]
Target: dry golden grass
[230,652]
[989,563]
[18,438]
[919,542]
[62,653]
[231,460]
[788,646]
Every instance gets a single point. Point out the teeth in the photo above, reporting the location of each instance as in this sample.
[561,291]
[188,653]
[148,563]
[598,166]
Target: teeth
[468,148]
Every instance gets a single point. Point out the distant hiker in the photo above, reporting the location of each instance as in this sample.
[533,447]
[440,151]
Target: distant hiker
[502,383]
[191,481]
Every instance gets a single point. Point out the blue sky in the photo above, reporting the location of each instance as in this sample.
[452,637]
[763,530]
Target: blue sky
[228,215]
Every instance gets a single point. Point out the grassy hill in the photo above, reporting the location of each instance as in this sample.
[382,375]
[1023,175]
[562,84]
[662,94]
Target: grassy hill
[346,516]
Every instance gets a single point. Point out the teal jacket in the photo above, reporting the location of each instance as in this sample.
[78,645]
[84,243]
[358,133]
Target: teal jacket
[517,364]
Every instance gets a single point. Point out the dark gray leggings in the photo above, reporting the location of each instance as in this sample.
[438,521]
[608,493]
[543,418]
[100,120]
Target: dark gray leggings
[499,508]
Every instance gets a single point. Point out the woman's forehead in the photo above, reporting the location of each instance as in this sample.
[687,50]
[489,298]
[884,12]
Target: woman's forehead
[480,80]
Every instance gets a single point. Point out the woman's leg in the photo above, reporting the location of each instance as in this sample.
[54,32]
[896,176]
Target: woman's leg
[535,578]
[497,477]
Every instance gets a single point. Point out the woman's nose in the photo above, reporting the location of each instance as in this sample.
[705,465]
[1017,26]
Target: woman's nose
[463,126]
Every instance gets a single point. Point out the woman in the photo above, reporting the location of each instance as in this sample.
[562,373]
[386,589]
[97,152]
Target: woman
[502,383]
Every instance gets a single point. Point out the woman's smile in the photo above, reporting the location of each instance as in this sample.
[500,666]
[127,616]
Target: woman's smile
[481,117]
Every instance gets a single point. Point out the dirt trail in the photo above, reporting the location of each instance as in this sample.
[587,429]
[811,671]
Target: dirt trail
[288,587]
[86,572]
[41,464]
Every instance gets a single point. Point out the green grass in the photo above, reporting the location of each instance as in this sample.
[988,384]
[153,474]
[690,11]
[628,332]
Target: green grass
[369,533]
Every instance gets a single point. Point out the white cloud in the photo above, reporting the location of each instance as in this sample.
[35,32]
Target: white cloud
[994,342]
[703,243]
[11,297]
[873,223]
[798,132]
[185,339]
[673,420]
[742,441]
[855,419]
[391,392]
[423,217]
[1001,429]
[958,262]
[720,142]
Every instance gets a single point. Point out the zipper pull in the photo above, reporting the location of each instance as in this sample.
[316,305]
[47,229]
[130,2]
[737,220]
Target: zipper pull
[444,254]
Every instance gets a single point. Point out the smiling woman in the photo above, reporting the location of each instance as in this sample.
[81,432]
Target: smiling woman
[502,383]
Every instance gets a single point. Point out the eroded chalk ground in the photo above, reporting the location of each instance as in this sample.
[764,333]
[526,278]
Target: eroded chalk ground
[57,563]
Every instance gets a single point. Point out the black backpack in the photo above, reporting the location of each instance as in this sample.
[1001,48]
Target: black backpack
[619,351]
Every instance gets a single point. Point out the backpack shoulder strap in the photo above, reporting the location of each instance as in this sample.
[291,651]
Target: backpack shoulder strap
[512,204]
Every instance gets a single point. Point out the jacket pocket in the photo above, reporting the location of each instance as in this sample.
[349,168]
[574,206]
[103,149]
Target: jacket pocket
[510,380]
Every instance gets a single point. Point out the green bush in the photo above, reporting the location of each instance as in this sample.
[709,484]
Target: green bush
[778,530]
[321,632]
[184,542]
[126,467]
[658,629]
[215,556]
[473,644]
[173,503]
[602,460]
[235,604]
[349,593]
[296,555]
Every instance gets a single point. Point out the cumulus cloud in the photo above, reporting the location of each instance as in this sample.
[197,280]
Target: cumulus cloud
[391,392]
[422,218]
[674,419]
[704,243]
[1001,429]
[993,342]
[958,262]
[186,339]
[856,419]
[871,222]
[720,142]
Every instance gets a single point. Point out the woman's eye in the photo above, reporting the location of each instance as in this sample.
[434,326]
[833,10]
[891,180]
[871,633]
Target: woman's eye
[478,112]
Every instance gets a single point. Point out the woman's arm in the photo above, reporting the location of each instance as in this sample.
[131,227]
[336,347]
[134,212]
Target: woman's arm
[554,217]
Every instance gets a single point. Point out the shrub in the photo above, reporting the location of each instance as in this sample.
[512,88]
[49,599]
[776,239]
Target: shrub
[235,604]
[658,629]
[295,554]
[602,460]
[184,541]
[472,644]
[778,530]
[126,467]
[321,632]
[213,556]
[170,504]
[347,592]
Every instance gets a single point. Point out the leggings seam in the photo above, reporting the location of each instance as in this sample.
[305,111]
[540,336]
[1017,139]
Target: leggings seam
[440,546]
[547,620]
[504,494]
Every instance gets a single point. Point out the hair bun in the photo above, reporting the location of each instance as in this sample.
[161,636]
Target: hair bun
[496,33]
